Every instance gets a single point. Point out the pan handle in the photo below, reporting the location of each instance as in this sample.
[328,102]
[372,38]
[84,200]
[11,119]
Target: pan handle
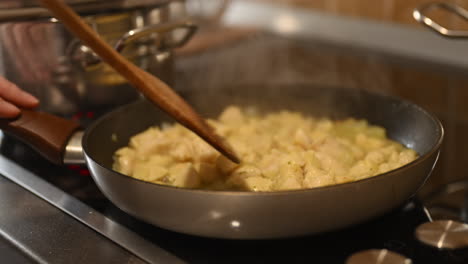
[46,133]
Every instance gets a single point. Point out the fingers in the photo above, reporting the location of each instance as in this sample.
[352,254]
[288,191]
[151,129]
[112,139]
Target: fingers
[8,110]
[12,97]
[15,96]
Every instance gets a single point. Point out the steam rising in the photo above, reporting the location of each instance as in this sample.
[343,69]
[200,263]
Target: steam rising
[267,59]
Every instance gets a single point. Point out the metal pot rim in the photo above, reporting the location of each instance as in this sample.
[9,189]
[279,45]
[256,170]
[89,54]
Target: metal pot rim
[30,10]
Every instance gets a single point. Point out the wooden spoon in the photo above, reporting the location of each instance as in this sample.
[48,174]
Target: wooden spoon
[152,88]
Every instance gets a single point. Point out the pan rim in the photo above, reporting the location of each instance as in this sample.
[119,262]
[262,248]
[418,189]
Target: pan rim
[435,148]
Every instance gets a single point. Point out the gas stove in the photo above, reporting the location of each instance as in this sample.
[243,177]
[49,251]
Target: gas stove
[407,234]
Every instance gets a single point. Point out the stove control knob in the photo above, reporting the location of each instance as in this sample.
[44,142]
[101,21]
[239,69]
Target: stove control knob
[377,256]
[443,234]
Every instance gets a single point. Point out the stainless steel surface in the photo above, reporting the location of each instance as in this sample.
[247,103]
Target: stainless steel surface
[47,235]
[257,215]
[420,14]
[177,41]
[31,215]
[12,255]
[42,57]
[377,256]
[448,202]
[74,151]
[392,41]
[443,234]
[158,33]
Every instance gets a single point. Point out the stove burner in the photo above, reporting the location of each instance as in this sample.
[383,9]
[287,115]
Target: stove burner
[449,202]
[377,256]
[445,234]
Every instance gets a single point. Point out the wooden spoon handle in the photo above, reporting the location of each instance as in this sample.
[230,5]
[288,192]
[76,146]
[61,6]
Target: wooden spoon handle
[46,133]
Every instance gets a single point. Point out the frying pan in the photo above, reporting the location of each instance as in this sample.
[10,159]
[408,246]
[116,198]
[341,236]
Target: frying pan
[247,215]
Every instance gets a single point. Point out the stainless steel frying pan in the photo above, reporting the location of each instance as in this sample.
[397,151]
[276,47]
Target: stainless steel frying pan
[247,215]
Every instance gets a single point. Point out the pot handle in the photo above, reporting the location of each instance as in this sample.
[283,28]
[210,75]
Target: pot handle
[419,14]
[46,133]
[89,58]
[159,29]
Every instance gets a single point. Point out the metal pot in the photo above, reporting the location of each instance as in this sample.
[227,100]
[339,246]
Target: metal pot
[42,57]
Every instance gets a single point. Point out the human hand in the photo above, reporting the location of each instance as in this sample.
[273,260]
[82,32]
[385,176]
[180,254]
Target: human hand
[12,97]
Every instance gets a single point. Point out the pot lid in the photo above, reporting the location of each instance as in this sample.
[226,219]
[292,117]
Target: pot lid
[31,9]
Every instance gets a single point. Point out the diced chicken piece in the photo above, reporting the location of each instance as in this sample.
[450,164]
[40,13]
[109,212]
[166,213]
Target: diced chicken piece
[144,137]
[239,145]
[294,158]
[310,159]
[125,151]
[270,164]
[388,150]
[302,139]
[356,151]
[182,152]
[225,165]
[384,167]
[150,142]
[361,170]
[369,143]
[150,173]
[394,157]
[232,115]
[315,177]
[258,184]
[220,128]
[238,176]
[207,171]
[376,132]
[289,183]
[203,152]
[337,151]
[184,175]
[330,164]
[164,161]
[318,138]
[287,146]
[407,156]
[124,160]
[324,125]
[251,158]
[291,176]
[375,157]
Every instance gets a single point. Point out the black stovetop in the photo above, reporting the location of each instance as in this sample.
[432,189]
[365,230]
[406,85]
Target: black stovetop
[394,231]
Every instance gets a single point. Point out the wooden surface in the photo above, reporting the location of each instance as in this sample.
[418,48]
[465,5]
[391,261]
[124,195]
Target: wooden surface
[394,11]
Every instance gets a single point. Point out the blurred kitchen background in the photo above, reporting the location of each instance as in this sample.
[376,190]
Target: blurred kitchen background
[379,52]
[365,44]
[354,44]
